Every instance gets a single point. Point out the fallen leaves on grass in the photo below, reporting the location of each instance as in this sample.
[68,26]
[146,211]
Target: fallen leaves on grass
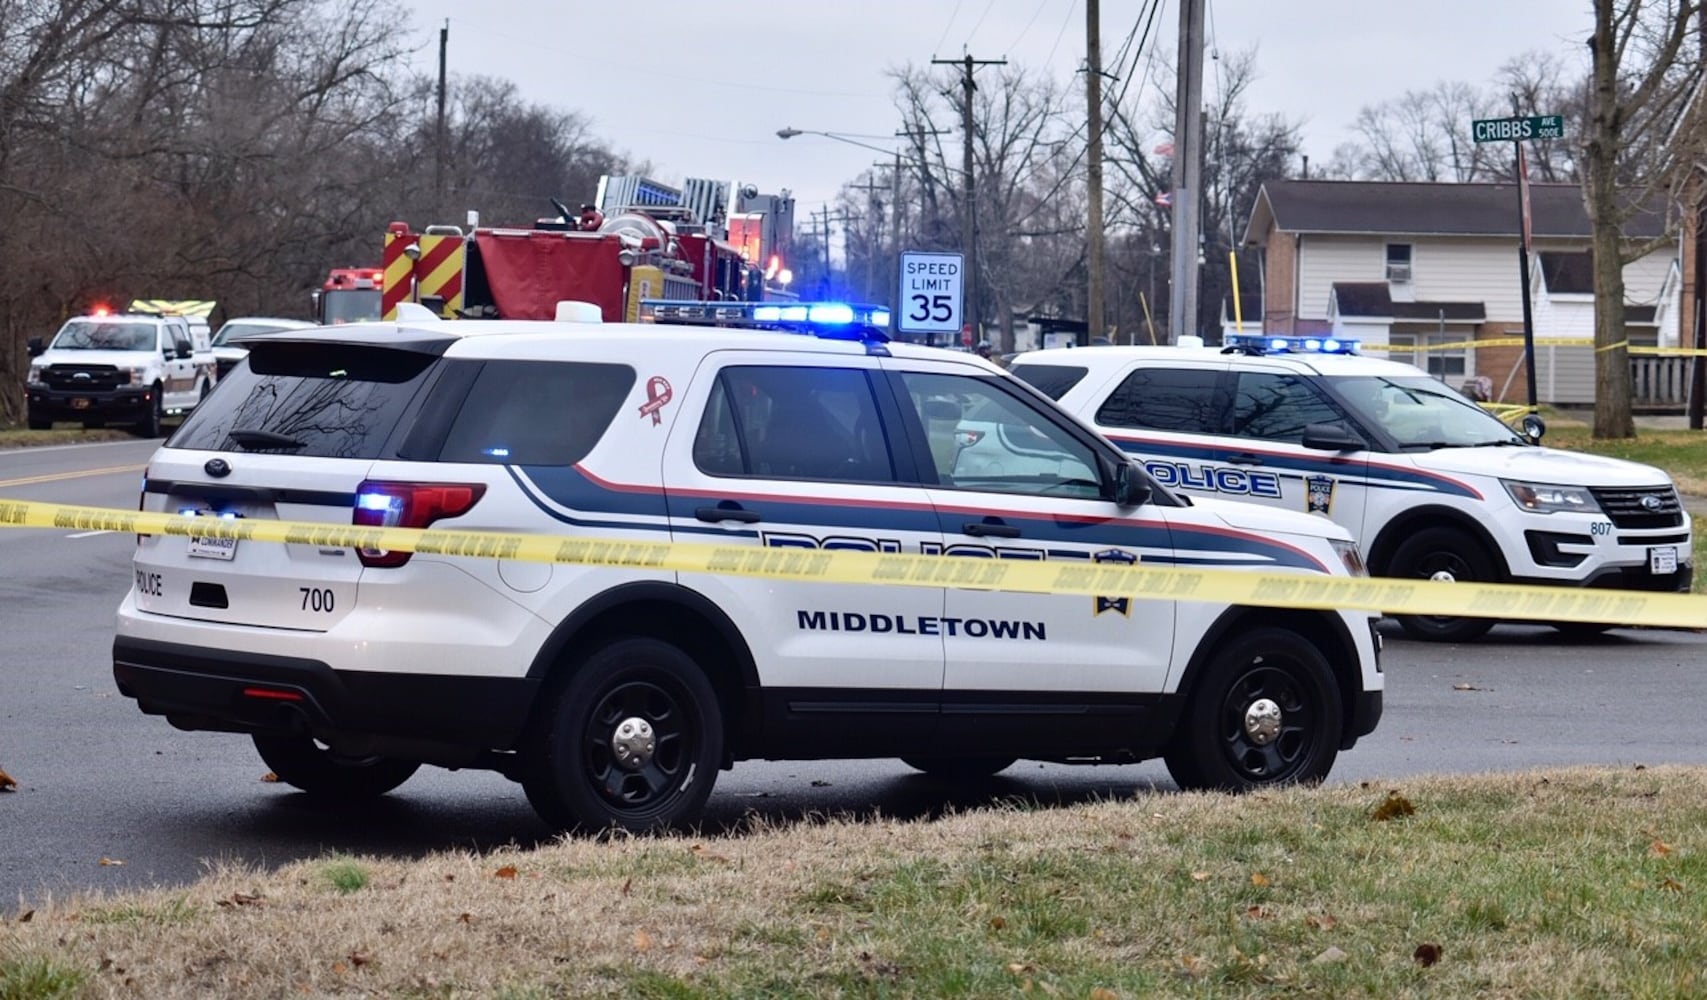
[1260,880]
[1395,806]
[508,871]
[1426,954]
[241,899]
[1322,921]
[1330,956]
[642,942]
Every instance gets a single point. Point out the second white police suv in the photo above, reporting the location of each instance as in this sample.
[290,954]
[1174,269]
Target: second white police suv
[614,696]
[1430,483]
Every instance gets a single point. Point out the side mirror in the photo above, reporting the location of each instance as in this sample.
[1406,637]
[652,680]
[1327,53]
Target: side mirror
[1131,486]
[182,353]
[35,347]
[1332,437]
[939,409]
[1533,428]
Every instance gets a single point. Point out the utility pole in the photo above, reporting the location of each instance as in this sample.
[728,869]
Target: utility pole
[1188,171]
[969,220]
[871,187]
[826,216]
[1095,320]
[895,200]
[440,137]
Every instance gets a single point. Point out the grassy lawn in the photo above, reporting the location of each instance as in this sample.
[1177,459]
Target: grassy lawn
[1543,884]
[19,437]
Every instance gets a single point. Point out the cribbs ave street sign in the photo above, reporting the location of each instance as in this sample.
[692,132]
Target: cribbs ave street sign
[1517,129]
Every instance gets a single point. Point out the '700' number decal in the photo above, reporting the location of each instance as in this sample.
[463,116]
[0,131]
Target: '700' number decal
[316,599]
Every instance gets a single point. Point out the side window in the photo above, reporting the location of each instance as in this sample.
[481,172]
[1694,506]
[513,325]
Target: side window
[1189,400]
[786,422]
[1052,380]
[1278,407]
[536,412]
[983,437]
[180,338]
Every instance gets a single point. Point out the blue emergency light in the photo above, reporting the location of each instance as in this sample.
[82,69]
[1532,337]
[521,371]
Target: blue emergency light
[831,320]
[1257,343]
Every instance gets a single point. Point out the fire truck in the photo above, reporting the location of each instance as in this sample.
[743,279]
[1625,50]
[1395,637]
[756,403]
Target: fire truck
[349,295]
[640,240]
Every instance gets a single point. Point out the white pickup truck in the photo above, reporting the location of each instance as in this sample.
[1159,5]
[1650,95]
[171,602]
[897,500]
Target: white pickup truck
[104,369]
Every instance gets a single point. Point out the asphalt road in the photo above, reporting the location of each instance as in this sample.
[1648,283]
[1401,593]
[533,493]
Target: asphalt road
[98,780]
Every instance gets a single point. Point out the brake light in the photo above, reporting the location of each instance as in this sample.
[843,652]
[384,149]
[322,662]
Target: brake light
[408,505]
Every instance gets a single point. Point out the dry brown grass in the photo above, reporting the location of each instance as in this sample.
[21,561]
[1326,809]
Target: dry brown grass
[1556,885]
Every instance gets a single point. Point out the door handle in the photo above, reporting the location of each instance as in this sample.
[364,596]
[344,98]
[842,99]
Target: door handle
[1243,458]
[733,512]
[987,529]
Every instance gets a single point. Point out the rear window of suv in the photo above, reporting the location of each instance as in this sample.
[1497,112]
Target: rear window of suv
[309,400]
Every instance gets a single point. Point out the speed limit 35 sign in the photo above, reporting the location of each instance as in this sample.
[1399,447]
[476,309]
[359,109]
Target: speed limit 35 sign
[931,289]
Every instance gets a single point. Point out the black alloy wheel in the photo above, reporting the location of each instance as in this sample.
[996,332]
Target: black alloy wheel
[1265,712]
[1448,554]
[633,741]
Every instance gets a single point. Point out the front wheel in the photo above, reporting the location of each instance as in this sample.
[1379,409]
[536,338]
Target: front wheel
[149,426]
[1265,712]
[322,772]
[633,741]
[1447,554]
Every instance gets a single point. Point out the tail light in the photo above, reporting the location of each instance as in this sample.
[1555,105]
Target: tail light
[408,505]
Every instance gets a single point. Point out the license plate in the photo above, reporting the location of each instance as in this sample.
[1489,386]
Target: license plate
[202,547]
[79,403]
[1662,559]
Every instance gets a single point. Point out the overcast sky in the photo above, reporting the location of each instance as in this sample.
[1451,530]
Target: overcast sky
[700,87]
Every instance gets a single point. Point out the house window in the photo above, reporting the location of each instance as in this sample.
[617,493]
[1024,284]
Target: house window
[1415,349]
[1399,262]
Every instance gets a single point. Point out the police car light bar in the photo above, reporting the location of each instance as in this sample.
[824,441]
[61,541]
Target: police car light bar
[833,320]
[1257,343]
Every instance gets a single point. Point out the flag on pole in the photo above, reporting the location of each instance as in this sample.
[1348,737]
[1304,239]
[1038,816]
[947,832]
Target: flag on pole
[1165,199]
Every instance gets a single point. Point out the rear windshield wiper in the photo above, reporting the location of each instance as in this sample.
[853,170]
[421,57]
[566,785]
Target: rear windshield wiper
[263,439]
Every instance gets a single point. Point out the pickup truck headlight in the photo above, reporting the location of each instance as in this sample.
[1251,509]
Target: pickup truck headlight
[34,379]
[1544,498]
[1351,556]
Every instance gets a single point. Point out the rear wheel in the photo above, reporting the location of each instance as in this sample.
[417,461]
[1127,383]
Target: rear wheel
[959,768]
[301,762]
[1265,712]
[633,741]
[1448,554]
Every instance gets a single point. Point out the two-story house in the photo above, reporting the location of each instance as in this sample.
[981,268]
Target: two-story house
[1415,265]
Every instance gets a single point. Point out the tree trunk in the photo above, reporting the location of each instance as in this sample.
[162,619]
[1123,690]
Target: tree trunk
[1611,358]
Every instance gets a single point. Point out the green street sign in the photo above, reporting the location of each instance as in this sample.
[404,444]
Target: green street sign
[1518,129]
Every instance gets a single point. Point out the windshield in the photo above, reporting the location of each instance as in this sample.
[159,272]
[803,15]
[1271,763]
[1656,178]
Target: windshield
[104,335]
[1422,412]
[237,331]
[350,305]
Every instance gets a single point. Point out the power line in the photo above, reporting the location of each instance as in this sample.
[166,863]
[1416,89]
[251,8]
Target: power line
[979,24]
[1028,24]
[956,13]
[1064,22]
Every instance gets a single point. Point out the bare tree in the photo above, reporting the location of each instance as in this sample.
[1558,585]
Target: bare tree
[1646,73]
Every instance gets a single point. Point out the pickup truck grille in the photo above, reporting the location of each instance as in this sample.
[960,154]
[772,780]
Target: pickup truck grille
[1641,506]
[83,378]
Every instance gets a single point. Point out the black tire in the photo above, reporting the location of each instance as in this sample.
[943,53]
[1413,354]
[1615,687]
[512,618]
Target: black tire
[149,426]
[1444,553]
[40,423]
[959,768]
[1266,711]
[577,779]
[323,773]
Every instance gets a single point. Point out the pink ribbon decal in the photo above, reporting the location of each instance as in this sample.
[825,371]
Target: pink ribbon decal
[657,394]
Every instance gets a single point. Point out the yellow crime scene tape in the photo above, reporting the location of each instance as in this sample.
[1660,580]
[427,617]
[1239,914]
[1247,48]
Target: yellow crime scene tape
[1228,586]
[1461,345]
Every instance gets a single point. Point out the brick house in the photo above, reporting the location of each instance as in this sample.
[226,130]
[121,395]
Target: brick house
[1420,264]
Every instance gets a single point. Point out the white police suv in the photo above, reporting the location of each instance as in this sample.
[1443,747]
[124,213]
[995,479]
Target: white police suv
[1429,482]
[615,695]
